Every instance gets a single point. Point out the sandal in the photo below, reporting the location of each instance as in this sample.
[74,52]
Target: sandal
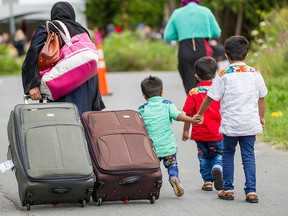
[226,195]
[207,186]
[252,197]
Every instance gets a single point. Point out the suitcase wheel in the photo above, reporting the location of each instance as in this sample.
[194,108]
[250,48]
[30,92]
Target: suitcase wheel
[83,203]
[152,199]
[99,201]
[28,206]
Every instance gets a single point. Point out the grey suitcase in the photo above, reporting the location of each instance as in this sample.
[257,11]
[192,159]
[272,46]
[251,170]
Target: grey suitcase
[49,150]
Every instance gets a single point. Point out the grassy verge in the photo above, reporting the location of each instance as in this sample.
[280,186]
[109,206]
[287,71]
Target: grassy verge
[271,58]
[276,117]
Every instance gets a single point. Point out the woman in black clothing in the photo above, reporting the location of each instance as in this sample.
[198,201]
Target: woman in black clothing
[87,97]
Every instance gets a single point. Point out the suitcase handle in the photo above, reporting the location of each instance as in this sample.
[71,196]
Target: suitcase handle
[26,98]
[60,190]
[130,180]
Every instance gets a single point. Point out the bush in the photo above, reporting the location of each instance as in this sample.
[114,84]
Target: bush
[129,51]
[8,64]
[271,58]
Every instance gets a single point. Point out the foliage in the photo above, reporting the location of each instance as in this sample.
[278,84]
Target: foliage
[134,12]
[101,12]
[129,13]
[273,31]
[276,129]
[228,13]
[129,51]
[271,58]
[252,7]
[8,64]
[125,13]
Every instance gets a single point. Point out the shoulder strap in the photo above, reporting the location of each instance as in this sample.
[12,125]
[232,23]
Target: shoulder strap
[64,28]
[47,26]
[63,35]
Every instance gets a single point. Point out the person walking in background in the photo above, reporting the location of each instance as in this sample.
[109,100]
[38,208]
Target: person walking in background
[207,136]
[192,26]
[87,97]
[5,38]
[19,42]
[98,37]
[241,91]
[158,114]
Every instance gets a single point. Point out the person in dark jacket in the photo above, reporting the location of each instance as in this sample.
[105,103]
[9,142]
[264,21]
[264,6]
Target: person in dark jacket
[19,42]
[87,97]
[192,25]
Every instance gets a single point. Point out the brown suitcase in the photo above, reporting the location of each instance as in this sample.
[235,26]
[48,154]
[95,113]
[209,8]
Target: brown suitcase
[123,158]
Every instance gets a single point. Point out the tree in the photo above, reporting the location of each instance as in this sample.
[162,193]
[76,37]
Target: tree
[125,13]
[234,16]
[240,16]
[101,12]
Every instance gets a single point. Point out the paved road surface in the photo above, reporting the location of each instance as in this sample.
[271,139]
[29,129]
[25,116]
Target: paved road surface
[272,164]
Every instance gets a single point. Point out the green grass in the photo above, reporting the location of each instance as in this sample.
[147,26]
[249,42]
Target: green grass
[273,65]
[271,58]
[276,102]
[274,71]
[275,131]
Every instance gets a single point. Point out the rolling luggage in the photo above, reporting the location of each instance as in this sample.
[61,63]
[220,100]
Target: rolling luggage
[123,158]
[49,150]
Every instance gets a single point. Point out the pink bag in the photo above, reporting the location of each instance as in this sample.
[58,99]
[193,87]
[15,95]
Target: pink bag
[77,64]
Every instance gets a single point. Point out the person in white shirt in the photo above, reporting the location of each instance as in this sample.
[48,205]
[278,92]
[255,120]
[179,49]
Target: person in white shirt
[241,91]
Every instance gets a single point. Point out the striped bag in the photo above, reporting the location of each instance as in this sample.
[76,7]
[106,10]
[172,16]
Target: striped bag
[77,64]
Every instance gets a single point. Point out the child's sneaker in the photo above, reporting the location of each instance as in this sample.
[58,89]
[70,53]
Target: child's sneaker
[218,179]
[207,186]
[252,197]
[177,187]
[226,195]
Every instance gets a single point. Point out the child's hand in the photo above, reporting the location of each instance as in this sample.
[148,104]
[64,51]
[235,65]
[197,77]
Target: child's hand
[185,135]
[262,121]
[198,119]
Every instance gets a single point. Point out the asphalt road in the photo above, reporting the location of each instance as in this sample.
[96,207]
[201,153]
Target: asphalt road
[272,171]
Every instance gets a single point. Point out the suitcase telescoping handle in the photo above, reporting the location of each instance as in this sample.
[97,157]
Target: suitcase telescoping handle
[130,180]
[27,97]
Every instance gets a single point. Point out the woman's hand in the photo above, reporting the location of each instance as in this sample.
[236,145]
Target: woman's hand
[35,93]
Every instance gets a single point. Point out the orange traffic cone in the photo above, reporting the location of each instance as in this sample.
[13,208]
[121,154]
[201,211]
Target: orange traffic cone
[102,80]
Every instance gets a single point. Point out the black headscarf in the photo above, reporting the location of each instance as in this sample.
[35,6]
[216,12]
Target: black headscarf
[64,12]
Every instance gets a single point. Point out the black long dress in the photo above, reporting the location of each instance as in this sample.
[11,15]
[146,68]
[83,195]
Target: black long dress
[87,97]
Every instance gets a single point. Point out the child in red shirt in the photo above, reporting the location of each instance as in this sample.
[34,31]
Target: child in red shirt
[207,137]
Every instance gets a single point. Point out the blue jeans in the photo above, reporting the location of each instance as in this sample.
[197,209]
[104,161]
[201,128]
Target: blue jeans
[248,160]
[170,163]
[210,156]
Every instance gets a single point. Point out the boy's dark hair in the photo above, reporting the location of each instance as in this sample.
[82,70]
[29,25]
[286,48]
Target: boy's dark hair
[152,86]
[236,47]
[205,68]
